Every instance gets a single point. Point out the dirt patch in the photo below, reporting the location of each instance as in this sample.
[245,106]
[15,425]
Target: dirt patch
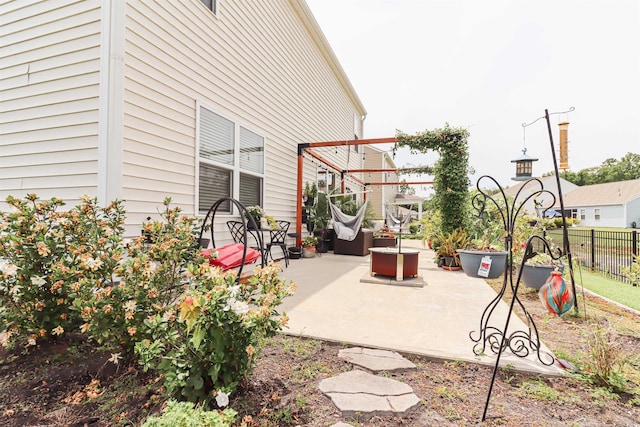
[71,383]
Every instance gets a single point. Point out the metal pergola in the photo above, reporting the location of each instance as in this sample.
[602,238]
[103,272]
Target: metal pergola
[307,148]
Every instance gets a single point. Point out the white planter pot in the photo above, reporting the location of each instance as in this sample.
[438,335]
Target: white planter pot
[309,252]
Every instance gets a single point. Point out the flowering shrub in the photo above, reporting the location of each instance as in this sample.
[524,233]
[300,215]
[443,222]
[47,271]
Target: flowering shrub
[220,324]
[48,256]
[156,296]
[309,241]
[151,277]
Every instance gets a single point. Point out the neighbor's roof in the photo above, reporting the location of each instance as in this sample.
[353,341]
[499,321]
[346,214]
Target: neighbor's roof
[407,199]
[611,193]
[547,182]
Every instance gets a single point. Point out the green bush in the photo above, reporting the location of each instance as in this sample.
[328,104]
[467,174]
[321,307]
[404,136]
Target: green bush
[220,325]
[632,273]
[156,296]
[151,278]
[48,257]
[183,414]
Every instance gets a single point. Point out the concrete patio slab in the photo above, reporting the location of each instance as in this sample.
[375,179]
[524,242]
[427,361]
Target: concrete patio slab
[332,303]
[416,282]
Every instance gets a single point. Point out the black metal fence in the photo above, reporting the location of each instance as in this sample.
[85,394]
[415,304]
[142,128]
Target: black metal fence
[605,251]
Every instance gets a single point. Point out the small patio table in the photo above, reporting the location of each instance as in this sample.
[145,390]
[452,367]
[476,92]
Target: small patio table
[394,262]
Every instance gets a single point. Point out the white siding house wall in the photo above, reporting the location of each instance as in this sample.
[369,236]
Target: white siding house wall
[390,191]
[374,160]
[101,97]
[610,216]
[253,63]
[380,194]
[633,213]
[49,98]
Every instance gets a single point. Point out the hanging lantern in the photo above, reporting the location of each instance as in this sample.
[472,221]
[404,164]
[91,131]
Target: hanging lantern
[524,166]
[555,295]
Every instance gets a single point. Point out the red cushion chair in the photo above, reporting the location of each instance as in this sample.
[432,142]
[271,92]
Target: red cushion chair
[230,256]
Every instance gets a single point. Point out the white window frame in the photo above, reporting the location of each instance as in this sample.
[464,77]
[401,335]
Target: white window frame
[235,168]
[596,214]
[583,214]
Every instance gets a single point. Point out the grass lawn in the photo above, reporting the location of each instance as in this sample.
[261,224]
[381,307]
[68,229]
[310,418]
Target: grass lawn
[623,293]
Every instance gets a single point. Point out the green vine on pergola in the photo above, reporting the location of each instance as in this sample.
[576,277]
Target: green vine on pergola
[416,170]
[451,180]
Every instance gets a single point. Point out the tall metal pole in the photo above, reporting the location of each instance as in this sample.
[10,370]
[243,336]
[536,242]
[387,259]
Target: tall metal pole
[565,233]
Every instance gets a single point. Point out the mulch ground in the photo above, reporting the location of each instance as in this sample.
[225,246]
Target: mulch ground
[70,383]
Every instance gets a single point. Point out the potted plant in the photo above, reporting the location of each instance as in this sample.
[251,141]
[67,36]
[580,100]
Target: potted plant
[431,228]
[256,212]
[309,246]
[484,257]
[320,217]
[310,193]
[448,244]
[536,270]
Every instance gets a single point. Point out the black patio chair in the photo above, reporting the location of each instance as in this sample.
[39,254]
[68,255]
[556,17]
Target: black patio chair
[237,230]
[208,224]
[278,238]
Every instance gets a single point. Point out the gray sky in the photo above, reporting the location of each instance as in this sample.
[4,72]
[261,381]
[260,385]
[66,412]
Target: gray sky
[490,66]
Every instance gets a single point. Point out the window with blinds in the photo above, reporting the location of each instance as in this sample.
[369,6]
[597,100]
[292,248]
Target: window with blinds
[215,183]
[217,137]
[250,190]
[230,162]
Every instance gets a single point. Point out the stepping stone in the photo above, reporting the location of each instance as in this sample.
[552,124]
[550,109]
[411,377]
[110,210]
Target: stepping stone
[341,424]
[376,360]
[359,392]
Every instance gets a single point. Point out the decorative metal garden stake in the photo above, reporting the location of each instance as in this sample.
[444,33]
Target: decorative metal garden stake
[520,343]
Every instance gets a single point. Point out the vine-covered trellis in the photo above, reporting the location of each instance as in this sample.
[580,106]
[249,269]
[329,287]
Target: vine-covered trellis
[451,180]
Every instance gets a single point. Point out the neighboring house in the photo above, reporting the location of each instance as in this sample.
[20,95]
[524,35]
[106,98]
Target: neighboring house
[381,196]
[549,183]
[142,99]
[415,203]
[614,204]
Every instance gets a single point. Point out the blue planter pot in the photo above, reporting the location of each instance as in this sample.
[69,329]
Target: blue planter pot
[471,261]
[534,275]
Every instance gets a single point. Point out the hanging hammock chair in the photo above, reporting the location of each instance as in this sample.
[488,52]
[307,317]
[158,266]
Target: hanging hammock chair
[397,224]
[345,226]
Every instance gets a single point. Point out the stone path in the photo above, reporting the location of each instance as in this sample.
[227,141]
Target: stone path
[362,393]
[376,360]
